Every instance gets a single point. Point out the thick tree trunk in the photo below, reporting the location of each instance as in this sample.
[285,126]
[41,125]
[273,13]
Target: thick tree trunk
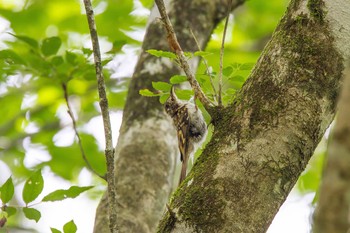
[264,140]
[332,212]
[147,146]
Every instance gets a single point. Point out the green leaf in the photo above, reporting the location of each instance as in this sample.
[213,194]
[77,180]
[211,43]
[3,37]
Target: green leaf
[11,57]
[161,86]
[247,66]
[202,53]
[30,41]
[87,51]
[188,54]
[160,53]
[237,78]
[7,190]
[227,71]
[71,57]
[62,194]
[10,210]
[163,98]
[51,45]
[147,93]
[54,230]
[70,227]
[32,214]
[57,60]
[176,79]
[33,187]
[184,94]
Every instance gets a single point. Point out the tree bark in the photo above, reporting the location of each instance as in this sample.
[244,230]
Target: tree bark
[332,212]
[147,151]
[265,138]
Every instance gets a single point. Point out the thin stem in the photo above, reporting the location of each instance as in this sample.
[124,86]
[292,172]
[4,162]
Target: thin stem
[207,70]
[175,47]
[109,150]
[222,54]
[70,113]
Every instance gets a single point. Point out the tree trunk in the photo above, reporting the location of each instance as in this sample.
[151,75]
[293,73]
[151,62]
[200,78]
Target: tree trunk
[332,212]
[147,151]
[265,138]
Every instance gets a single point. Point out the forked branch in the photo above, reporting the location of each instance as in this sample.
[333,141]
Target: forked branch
[109,150]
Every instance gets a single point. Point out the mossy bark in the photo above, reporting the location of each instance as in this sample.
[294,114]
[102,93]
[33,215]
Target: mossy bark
[332,212]
[264,140]
[147,144]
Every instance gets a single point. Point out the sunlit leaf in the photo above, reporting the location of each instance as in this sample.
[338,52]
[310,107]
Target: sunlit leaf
[184,94]
[147,93]
[161,86]
[62,194]
[33,187]
[10,210]
[7,190]
[176,79]
[54,230]
[70,227]
[32,214]
[160,53]
[202,53]
[163,98]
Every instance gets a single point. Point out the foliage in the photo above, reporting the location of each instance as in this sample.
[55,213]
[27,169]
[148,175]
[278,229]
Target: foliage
[33,187]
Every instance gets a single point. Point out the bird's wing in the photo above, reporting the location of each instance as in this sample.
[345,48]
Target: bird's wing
[182,126]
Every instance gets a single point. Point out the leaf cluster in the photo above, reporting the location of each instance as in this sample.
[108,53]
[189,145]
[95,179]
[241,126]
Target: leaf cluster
[33,187]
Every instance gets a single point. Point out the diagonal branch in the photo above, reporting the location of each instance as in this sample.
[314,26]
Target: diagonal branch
[70,113]
[175,47]
[222,53]
[109,150]
[207,69]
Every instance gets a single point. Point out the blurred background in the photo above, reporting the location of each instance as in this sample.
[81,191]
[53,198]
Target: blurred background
[36,132]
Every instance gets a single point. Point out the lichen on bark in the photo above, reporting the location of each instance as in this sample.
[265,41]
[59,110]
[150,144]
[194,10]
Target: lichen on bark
[265,139]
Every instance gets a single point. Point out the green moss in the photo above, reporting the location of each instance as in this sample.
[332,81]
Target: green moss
[199,205]
[315,7]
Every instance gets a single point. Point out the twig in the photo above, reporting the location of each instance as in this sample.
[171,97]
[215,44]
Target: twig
[175,47]
[207,70]
[222,53]
[70,113]
[109,150]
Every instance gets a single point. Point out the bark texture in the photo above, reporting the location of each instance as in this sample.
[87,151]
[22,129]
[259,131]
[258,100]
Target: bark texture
[147,146]
[332,212]
[265,138]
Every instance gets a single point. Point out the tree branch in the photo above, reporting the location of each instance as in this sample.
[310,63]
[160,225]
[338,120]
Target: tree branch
[207,69]
[222,54]
[70,113]
[267,135]
[109,150]
[175,47]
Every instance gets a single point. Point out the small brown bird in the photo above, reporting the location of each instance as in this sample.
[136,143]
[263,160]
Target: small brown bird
[190,126]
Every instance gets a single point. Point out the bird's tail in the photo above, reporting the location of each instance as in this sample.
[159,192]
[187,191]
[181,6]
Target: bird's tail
[183,171]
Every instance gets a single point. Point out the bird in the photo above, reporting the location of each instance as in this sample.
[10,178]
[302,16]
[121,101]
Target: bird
[190,126]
